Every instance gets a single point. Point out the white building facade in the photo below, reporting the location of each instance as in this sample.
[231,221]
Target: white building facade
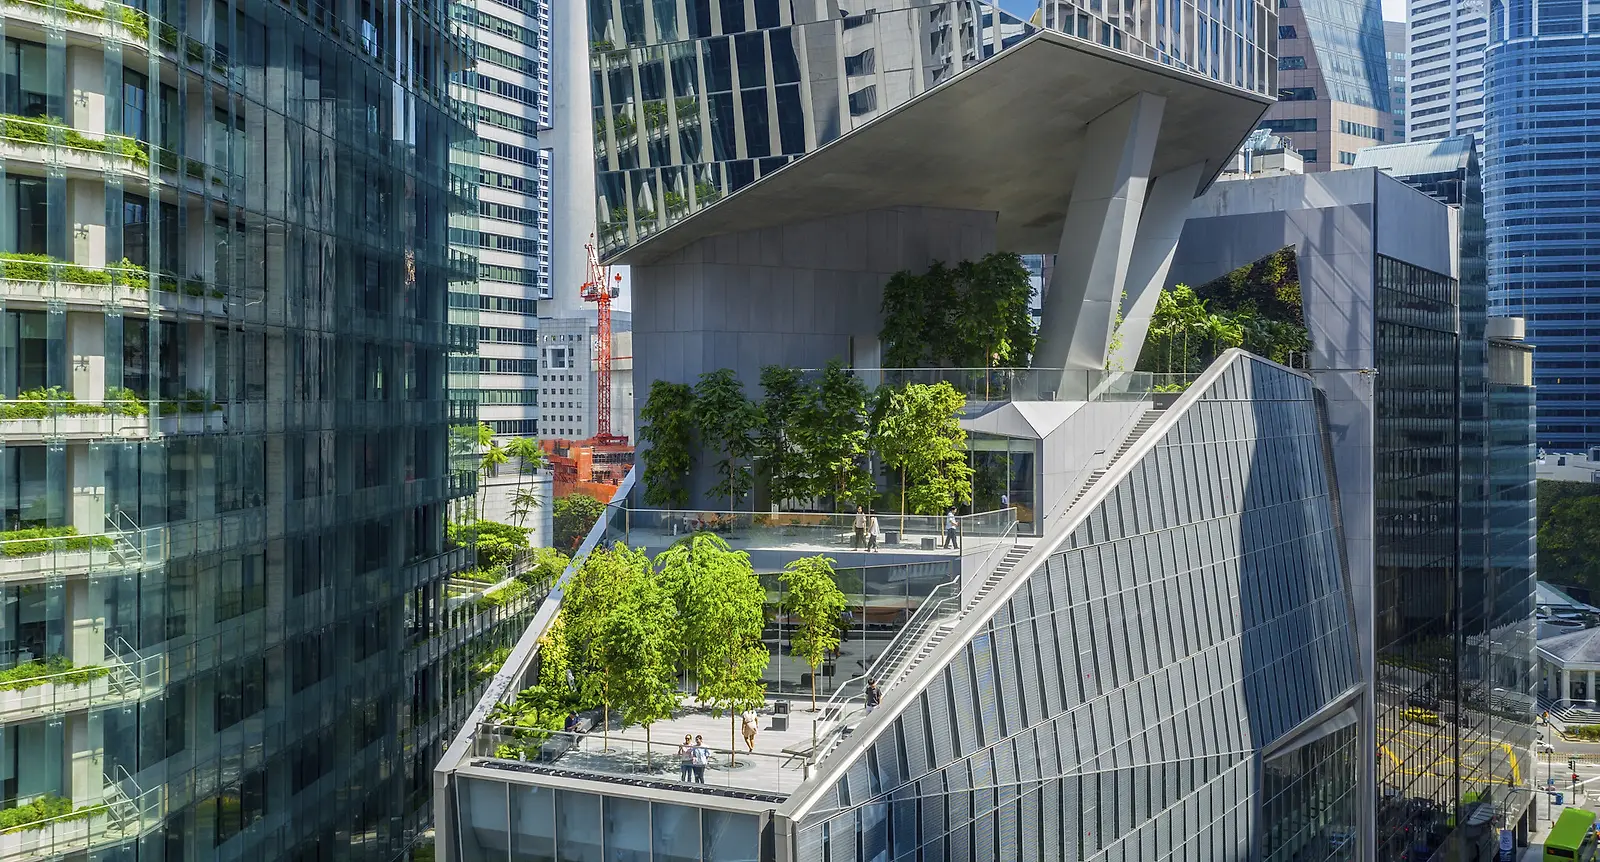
[512,78]
[1445,90]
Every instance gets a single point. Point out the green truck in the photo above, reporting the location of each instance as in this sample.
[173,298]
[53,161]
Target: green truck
[1571,838]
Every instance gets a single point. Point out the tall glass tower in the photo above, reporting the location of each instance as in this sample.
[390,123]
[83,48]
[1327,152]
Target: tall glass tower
[224,627]
[1333,80]
[1539,211]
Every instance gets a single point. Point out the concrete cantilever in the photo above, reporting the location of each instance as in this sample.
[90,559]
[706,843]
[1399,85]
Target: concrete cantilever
[1006,136]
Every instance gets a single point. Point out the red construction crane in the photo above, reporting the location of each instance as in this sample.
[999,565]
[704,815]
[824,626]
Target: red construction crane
[600,289]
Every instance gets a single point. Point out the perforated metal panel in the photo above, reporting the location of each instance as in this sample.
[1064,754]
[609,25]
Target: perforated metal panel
[1222,626]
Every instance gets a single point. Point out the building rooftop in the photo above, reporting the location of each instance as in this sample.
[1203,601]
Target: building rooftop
[1419,158]
[1582,647]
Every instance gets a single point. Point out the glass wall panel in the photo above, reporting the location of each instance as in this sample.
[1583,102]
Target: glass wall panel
[627,836]
[533,824]
[485,825]
[729,837]
[676,831]
[578,827]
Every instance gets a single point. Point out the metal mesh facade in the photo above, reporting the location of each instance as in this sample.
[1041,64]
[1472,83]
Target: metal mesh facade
[1115,704]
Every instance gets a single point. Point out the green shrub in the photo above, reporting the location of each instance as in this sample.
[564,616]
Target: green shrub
[136,22]
[41,540]
[132,148]
[56,668]
[1585,732]
[125,402]
[43,403]
[132,275]
[26,267]
[78,141]
[501,597]
[47,807]
[482,576]
[30,130]
[74,274]
[82,12]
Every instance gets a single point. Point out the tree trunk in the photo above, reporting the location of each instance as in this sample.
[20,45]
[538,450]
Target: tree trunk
[648,766]
[733,737]
[605,726]
[902,504]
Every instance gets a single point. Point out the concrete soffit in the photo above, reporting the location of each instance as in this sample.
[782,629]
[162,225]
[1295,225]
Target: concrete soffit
[1007,136]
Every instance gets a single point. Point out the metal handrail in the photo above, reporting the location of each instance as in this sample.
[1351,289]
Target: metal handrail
[889,664]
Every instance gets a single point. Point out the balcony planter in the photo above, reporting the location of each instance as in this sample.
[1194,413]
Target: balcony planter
[55,696]
[48,839]
[1163,400]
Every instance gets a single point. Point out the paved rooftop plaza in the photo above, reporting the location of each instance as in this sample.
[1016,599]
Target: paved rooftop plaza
[777,766]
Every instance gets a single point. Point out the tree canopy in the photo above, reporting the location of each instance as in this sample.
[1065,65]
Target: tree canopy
[814,603]
[720,601]
[783,459]
[1569,534]
[571,519]
[831,431]
[1256,307]
[495,543]
[975,314]
[726,420]
[918,432]
[666,423]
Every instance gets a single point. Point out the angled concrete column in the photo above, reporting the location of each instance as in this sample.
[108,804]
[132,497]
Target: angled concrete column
[1160,228]
[1098,237]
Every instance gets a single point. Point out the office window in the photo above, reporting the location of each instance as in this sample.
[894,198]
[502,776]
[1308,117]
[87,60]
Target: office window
[25,79]
[1286,63]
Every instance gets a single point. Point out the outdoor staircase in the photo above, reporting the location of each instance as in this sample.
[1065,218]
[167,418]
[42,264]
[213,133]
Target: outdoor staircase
[125,552]
[943,627]
[929,628]
[939,616]
[1139,428]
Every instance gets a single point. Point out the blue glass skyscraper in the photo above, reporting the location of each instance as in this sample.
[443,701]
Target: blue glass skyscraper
[1542,215]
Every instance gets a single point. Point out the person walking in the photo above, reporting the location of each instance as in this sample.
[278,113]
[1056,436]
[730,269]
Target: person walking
[950,530]
[874,697]
[872,533]
[861,528]
[686,759]
[701,758]
[751,724]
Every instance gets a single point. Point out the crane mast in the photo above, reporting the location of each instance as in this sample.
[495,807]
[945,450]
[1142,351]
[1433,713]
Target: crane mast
[600,289]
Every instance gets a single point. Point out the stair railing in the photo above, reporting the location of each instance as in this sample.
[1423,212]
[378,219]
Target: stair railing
[847,702]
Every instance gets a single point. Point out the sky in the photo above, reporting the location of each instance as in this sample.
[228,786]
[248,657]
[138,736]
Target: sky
[1394,10]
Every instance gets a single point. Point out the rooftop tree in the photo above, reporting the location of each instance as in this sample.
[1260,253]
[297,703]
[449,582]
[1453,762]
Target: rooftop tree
[831,433]
[571,519]
[667,425]
[530,458]
[814,603]
[785,462]
[638,645]
[727,421]
[721,603]
[588,606]
[918,433]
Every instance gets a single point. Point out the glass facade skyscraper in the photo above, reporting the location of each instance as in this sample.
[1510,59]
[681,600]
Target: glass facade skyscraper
[224,624]
[1539,208]
[1333,80]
